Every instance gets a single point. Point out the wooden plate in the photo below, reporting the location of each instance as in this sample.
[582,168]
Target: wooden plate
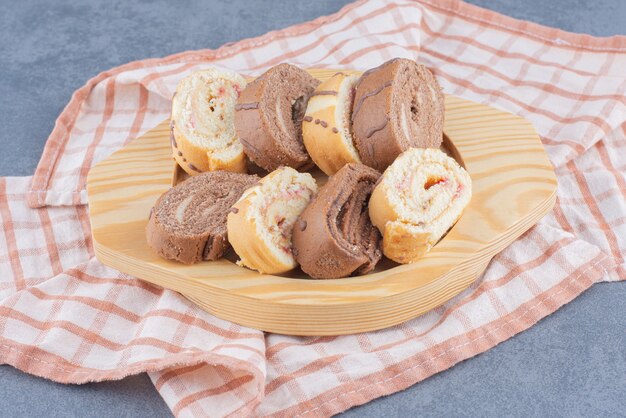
[513,187]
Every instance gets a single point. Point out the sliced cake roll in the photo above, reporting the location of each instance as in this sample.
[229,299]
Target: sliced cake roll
[202,122]
[261,222]
[327,129]
[397,106]
[334,236]
[269,116]
[420,196]
[188,222]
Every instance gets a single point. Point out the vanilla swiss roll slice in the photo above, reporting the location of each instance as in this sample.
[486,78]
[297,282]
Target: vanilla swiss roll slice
[203,129]
[326,127]
[260,224]
[419,197]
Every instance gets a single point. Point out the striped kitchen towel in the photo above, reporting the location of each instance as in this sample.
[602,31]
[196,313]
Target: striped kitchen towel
[68,318]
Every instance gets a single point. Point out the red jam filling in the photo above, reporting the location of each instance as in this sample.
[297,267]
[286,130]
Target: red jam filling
[433,182]
[459,190]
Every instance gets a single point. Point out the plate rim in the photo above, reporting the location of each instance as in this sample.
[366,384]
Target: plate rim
[120,260]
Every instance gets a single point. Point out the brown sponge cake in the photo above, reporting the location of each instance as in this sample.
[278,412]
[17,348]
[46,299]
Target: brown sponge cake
[188,222]
[334,236]
[268,117]
[397,106]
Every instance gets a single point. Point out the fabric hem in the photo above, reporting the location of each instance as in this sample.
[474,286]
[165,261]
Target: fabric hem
[35,361]
[454,350]
[36,197]
[55,144]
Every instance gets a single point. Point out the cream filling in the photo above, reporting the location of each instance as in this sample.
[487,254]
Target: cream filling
[428,189]
[342,115]
[404,123]
[426,192]
[182,208]
[279,214]
[281,118]
[275,205]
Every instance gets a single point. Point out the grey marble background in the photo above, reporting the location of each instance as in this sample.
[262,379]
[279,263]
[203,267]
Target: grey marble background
[572,363]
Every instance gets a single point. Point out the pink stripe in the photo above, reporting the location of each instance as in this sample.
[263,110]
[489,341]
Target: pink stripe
[65,122]
[448,353]
[11,241]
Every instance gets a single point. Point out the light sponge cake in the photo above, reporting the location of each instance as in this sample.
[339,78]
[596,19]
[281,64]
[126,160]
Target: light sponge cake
[269,114]
[202,122]
[188,222]
[327,129]
[419,197]
[397,106]
[261,222]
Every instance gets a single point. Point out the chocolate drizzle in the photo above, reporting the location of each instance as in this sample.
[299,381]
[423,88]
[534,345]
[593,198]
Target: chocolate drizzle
[381,130]
[320,122]
[234,210]
[375,129]
[248,144]
[371,70]
[246,106]
[367,95]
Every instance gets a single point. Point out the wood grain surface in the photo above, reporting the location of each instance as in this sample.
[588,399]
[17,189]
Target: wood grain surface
[513,187]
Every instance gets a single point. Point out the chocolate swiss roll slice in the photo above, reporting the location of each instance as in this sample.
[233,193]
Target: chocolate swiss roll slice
[268,117]
[188,222]
[334,236]
[419,197]
[397,106]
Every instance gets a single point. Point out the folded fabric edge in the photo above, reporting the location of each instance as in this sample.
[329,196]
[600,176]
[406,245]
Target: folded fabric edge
[617,274]
[38,362]
[55,144]
[38,194]
[445,355]
[42,198]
